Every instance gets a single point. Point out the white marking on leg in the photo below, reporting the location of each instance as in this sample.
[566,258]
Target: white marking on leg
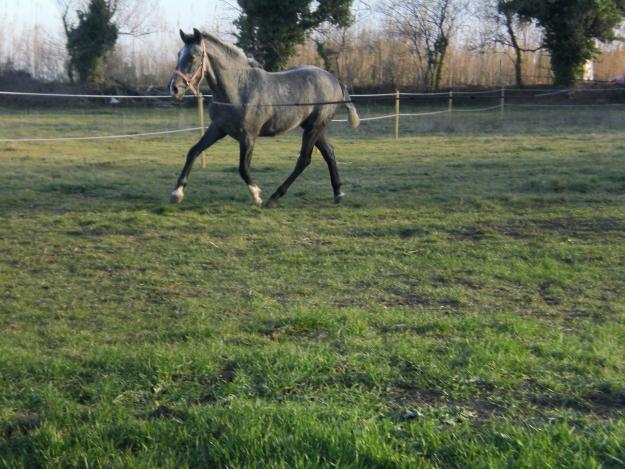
[177,195]
[255,193]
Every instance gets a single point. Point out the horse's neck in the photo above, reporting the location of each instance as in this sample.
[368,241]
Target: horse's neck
[224,82]
[225,70]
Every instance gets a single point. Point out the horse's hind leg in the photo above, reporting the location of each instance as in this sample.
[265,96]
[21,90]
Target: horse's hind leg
[212,135]
[308,142]
[328,155]
[246,146]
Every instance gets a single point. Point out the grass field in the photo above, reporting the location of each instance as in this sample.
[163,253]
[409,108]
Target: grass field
[463,308]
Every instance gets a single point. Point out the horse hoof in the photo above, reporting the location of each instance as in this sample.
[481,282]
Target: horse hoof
[177,196]
[339,197]
[271,203]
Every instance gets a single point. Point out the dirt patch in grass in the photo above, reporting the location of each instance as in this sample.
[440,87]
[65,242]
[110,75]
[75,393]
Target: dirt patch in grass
[471,233]
[582,225]
[163,411]
[576,227]
[523,229]
[411,403]
[595,405]
[21,425]
[407,404]
[399,297]
[229,371]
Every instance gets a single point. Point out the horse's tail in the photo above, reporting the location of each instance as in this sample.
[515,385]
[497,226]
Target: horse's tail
[352,114]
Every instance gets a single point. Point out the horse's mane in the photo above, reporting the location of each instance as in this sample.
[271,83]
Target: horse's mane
[231,50]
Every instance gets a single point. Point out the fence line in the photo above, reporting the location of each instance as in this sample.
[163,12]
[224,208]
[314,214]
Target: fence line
[541,93]
[450,110]
[191,129]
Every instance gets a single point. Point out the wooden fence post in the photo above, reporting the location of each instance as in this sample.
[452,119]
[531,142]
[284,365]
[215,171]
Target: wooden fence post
[450,108]
[200,110]
[397,97]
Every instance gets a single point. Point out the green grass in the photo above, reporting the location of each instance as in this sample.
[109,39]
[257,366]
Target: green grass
[462,308]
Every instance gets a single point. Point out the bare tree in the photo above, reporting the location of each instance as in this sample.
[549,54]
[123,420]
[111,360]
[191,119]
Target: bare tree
[429,26]
[132,17]
[65,9]
[331,45]
[499,25]
[334,43]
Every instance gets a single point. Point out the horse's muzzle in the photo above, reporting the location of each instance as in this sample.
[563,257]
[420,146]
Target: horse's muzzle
[176,89]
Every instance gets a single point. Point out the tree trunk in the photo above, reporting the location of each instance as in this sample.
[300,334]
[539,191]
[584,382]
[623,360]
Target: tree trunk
[440,50]
[518,62]
[438,74]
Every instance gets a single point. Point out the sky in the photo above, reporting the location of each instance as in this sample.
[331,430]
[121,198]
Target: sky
[173,14]
[18,19]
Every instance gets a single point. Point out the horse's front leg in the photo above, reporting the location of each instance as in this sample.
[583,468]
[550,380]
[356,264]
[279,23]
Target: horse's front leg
[212,135]
[246,146]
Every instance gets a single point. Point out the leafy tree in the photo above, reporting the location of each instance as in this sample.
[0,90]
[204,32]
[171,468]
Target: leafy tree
[91,39]
[271,29]
[570,30]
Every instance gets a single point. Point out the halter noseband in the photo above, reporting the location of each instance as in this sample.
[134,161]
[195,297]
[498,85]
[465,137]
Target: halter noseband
[195,89]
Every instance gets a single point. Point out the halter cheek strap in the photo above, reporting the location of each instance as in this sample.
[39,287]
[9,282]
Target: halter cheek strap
[195,89]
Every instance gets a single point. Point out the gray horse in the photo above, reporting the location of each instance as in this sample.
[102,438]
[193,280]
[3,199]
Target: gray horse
[249,102]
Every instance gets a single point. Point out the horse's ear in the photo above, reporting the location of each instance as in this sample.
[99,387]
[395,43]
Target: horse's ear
[197,35]
[183,36]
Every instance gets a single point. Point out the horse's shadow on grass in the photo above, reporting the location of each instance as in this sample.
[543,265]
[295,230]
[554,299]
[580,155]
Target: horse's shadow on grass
[90,188]
[416,185]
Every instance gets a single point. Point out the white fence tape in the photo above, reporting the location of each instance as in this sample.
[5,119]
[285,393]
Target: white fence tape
[375,118]
[417,114]
[565,105]
[104,96]
[465,93]
[423,94]
[99,137]
[381,95]
[482,109]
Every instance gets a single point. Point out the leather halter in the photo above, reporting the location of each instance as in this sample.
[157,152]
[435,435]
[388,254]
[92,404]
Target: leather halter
[188,80]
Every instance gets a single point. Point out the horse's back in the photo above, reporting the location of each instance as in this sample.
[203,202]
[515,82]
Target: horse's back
[305,80]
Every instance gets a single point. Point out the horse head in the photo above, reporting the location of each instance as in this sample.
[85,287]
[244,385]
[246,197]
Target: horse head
[191,66]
